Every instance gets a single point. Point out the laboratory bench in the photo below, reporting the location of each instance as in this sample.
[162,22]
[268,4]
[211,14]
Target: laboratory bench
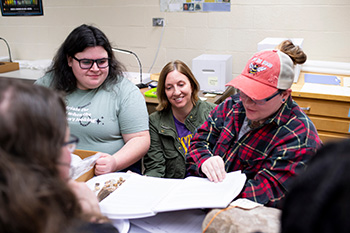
[328,106]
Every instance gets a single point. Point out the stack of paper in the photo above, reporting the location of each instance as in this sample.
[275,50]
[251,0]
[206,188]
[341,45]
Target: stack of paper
[143,196]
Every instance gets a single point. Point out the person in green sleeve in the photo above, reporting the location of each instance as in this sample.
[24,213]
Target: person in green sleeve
[179,113]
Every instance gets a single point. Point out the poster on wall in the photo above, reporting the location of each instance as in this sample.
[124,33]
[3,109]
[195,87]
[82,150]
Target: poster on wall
[194,5]
[21,7]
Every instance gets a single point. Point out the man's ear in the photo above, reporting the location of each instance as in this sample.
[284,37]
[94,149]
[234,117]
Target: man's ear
[286,94]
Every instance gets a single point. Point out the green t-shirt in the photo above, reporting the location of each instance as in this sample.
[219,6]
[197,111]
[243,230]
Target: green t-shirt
[99,117]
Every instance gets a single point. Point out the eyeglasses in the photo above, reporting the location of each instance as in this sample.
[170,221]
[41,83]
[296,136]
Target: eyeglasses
[258,102]
[88,63]
[72,143]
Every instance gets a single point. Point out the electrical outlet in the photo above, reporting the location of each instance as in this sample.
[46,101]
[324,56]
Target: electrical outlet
[157,22]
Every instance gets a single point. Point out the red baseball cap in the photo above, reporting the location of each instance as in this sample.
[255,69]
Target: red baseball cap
[265,73]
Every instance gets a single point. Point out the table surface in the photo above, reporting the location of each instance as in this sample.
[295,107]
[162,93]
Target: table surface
[321,91]
[27,74]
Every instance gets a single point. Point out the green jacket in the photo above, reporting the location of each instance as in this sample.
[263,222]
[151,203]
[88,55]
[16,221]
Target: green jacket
[166,157]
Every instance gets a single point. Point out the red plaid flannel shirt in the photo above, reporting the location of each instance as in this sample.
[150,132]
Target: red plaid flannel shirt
[271,156]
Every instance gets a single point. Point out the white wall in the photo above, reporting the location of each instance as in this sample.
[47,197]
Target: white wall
[324,24]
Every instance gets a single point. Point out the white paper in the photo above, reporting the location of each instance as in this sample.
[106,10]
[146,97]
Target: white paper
[80,167]
[346,82]
[246,204]
[174,222]
[143,196]
[195,192]
[34,64]
[327,67]
[123,225]
[136,197]
[325,89]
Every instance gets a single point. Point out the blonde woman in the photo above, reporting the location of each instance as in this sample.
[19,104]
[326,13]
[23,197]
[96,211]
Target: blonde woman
[179,113]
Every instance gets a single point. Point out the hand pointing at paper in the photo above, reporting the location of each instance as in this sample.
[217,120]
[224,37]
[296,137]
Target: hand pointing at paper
[214,169]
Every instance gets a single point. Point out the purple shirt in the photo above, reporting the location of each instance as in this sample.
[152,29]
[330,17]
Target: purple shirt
[183,133]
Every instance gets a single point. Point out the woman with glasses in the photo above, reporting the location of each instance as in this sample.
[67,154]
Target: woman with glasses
[265,135]
[36,192]
[105,110]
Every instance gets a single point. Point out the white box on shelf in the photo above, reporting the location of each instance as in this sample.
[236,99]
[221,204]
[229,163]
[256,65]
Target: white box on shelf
[212,71]
[272,42]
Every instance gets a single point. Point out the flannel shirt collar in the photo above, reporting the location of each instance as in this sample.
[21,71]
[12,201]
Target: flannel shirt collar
[282,116]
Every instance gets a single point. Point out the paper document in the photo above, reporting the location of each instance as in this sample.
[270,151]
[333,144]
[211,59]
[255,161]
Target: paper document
[174,222]
[322,79]
[346,81]
[325,89]
[80,166]
[142,196]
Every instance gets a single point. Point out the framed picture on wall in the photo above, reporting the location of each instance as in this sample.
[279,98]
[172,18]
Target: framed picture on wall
[21,7]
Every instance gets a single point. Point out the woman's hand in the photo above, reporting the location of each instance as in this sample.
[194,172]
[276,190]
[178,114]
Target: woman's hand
[214,169]
[135,147]
[87,199]
[105,164]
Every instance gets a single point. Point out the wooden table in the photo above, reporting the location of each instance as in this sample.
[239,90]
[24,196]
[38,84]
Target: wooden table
[330,112]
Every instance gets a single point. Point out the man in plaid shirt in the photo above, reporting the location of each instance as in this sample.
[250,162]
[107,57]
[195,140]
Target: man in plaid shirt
[265,135]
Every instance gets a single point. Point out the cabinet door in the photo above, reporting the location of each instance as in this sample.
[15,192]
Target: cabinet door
[331,124]
[327,108]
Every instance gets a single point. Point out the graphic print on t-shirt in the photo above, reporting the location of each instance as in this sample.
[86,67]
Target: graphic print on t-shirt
[185,142]
[82,115]
[184,135]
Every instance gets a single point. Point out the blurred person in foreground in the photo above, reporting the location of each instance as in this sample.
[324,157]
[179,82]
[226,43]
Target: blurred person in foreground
[319,200]
[36,192]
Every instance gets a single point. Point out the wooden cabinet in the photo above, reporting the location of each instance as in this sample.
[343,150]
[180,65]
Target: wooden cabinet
[330,112]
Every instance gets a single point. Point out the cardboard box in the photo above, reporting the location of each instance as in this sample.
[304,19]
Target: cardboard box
[272,42]
[155,76]
[212,71]
[84,154]
[8,66]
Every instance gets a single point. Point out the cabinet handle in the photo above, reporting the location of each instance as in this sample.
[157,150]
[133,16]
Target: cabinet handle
[305,108]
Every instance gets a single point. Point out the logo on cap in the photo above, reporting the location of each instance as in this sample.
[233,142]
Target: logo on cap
[255,68]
